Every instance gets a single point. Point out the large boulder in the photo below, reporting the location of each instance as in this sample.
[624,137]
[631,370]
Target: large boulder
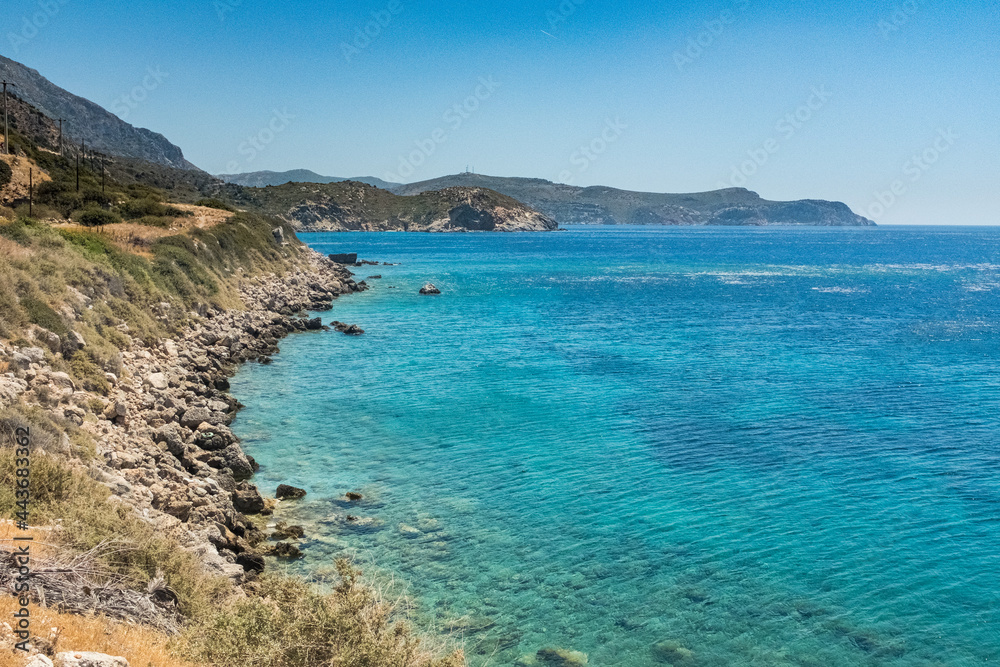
[247,499]
[195,417]
[346,258]
[429,288]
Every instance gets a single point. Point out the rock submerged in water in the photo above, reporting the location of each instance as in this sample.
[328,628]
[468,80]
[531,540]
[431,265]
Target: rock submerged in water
[286,550]
[354,496]
[673,653]
[560,657]
[429,289]
[286,532]
[286,492]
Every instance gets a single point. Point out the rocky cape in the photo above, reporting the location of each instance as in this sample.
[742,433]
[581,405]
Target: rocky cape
[569,204]
[354,206]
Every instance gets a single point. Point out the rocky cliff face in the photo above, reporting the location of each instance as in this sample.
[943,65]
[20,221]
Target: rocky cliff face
[568,204]
[86,121]
[353,206]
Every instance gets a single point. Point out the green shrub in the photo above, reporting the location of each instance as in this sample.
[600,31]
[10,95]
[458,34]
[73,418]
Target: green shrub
[6,174]
[88,374]
[96,217]
[215,203]
[17,231]
[41,313]
[154,221]
[139,208]
[285,623]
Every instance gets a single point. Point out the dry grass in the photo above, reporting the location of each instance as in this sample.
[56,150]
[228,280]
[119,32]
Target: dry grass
[202,217]
[18,187]
[141,646]
[138,239]
[41,546]
[12,251]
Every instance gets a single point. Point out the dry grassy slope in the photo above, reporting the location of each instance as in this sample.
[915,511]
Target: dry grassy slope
[17,189]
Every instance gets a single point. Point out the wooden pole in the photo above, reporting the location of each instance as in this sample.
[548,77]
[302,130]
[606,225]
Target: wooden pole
[103,188]
[78,171]
[6,130]
[31,193]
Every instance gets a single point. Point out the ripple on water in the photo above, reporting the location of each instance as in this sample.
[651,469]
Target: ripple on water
[640,459]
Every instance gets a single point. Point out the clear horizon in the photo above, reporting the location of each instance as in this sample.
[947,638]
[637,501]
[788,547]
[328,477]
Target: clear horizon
[890,108]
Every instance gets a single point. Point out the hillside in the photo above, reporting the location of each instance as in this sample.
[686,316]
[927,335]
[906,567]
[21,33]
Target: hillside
[261,179]
[568,204]
[353,206]
[89,122]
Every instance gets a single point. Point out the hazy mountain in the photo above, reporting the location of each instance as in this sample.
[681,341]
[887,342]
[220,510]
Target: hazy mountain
[89,122]
[260,179]
[350,206]
[568,204]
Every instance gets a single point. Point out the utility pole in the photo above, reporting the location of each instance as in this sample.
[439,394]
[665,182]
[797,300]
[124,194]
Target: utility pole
[60,135]
[6,130]
[78,171]
[103,189]
[31,193]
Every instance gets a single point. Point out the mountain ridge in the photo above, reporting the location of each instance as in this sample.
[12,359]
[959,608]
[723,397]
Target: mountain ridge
[569,204]
[88,121]
[260,179]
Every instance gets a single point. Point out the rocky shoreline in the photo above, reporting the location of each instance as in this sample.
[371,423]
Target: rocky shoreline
[164,443]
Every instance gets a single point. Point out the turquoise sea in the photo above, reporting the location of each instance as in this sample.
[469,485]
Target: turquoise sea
[659,446]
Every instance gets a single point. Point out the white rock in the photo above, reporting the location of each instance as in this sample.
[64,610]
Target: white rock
[62,380]
[157,381]
[86,659]
[39,661]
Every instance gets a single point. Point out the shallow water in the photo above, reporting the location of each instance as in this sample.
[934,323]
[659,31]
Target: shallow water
[760,446]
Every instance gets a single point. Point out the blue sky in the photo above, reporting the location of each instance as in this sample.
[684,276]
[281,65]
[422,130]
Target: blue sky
[891,106]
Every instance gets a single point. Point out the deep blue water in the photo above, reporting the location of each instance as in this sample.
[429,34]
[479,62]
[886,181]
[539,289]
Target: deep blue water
[766,446]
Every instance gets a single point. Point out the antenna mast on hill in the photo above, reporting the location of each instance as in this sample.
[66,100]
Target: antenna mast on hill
[6,131]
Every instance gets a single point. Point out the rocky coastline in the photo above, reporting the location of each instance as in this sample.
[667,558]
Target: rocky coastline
[164,446]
